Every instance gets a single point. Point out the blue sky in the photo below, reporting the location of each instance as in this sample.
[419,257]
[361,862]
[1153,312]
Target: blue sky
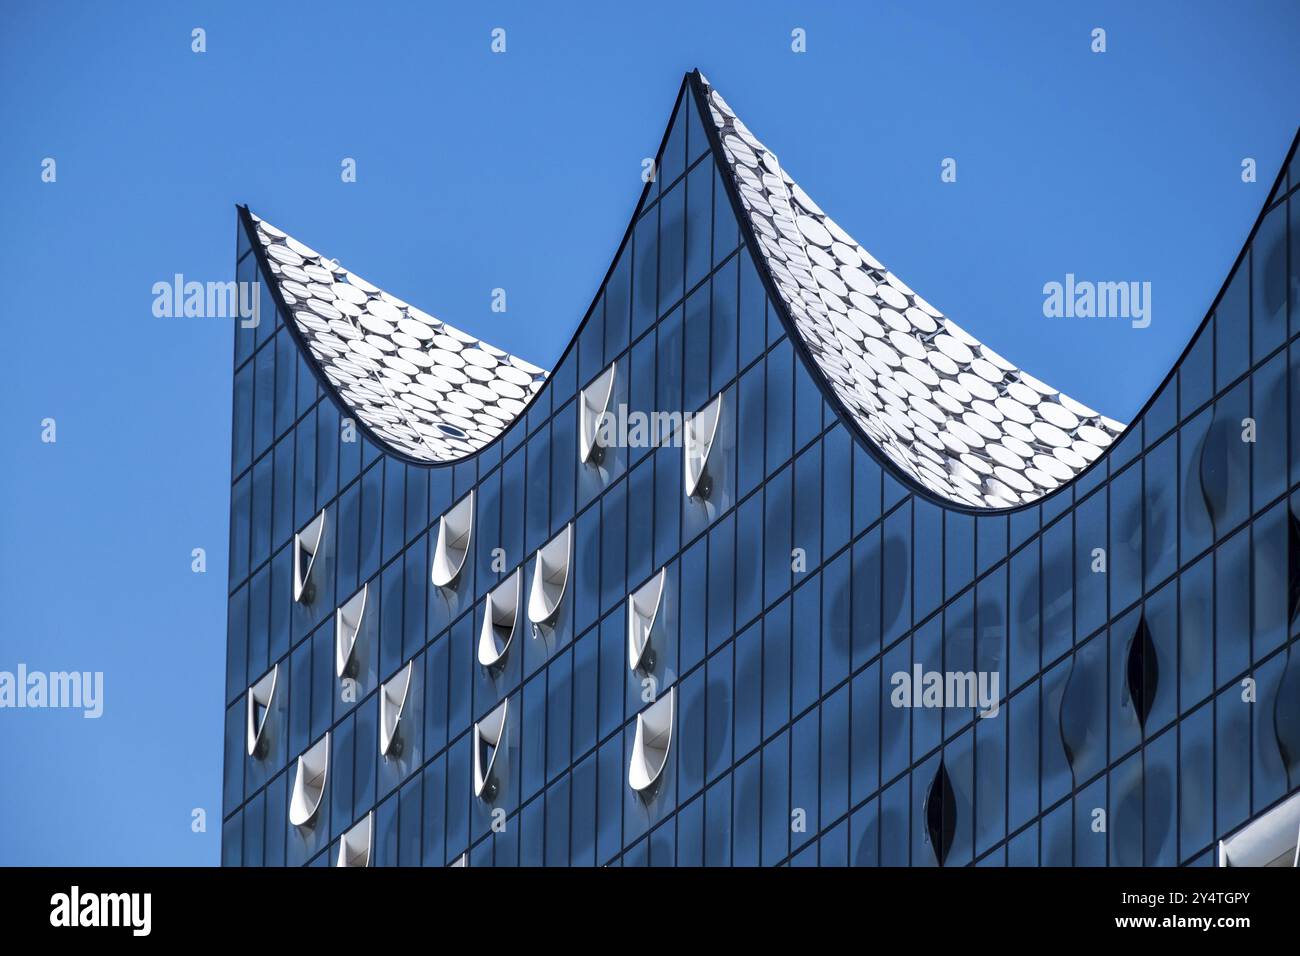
[477,171]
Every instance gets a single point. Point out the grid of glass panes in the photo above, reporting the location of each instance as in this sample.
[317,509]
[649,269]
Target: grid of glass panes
[786,748]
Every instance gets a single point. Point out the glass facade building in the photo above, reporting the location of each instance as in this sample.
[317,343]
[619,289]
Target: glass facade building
[473,621]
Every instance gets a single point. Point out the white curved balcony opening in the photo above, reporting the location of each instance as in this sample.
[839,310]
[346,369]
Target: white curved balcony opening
[306,543]
[593,406]
[260,698]
[455,531]
[642,612]
[698,434]
[392,707]
[347,625]
[500,621]
[550,578]
[653,741]
[489,738]
[309,781]
[354,846]
[1272,839]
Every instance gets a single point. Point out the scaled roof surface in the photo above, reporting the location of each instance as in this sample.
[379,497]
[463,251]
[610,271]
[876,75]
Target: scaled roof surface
[953,415]
[950,412]
[431,391]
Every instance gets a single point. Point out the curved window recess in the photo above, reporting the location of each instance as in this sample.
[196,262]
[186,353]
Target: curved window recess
[550,578]
[1286,716]
[654,739]
[347,625]
[1224,478]
[1292,565]
[642,613]
[1081,714]
[1270,840]
[593,405]
[392,706]
[500,621]
[305,545]
[455,529]
[1142,671]
[1214,472]
[698,433]
[489,735]
[309,783]
[260,697]
[354,847]
[941,814]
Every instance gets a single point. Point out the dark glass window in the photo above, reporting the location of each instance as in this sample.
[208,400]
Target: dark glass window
[1232,343]
[699,223]
[776,535]
[672,216]
[722,349]
[1268,300]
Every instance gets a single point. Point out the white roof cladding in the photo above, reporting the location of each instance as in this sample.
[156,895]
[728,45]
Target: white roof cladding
[955,416]
[429,390]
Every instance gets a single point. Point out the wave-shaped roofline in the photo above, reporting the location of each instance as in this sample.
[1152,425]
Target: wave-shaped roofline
[695,86]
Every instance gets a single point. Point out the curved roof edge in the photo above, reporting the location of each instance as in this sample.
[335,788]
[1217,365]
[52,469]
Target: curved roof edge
[414,456]
[420,386]
[801,300]
[887,364]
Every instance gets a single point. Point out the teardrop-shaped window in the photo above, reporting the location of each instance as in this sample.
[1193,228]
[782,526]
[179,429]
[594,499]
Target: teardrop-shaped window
[354,847]
[941,814]
[500,621]
[642,614]
[455,532]
[593,406]
[699,432]
[652,744]
[309,783]
[550,578]
[260,698]
[392,708]
[489,736]
[1143,671]
[1292,565]
[347,625]
[306,543]
[1286,715]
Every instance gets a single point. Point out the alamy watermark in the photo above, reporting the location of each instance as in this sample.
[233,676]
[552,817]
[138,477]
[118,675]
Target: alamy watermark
[1085,299]
[70,690]
[957,689]
[208,300]
[133,911]
[622,428]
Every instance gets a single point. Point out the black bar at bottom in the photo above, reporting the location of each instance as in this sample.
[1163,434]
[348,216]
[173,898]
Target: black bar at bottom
[964,904]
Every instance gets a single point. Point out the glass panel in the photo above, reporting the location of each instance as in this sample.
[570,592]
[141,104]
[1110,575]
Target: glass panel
[722,349]
[1125,564]
[699,223]
[672,222]
[1160,506]
[777,531]
[1270,409]
[645,272]
[779,401]
[896,590]
[1232,323]
[1269,284]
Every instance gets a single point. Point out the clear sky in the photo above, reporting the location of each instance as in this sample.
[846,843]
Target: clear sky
[518,170]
